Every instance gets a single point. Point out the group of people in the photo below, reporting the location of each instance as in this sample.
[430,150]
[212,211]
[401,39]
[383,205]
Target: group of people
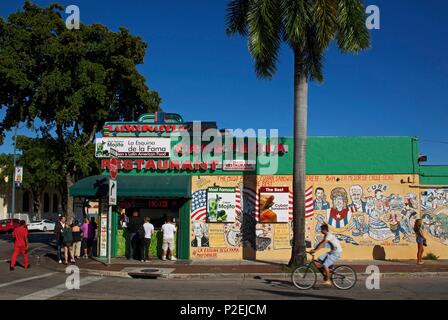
[73,237]
[140,232]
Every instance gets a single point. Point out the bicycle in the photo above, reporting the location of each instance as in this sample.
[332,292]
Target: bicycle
[342,277]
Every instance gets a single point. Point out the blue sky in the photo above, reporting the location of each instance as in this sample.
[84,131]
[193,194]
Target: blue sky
[397,88]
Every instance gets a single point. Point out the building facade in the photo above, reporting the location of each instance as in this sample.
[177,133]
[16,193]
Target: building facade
[369,190]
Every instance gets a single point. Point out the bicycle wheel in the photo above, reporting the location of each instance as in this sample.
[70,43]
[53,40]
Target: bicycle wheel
[343,277]
[304,278]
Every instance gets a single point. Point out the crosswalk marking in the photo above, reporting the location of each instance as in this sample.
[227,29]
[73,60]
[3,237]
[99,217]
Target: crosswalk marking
[26,279]
[57,290]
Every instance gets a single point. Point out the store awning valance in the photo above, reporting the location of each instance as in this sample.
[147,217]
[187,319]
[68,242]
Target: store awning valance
[134,186]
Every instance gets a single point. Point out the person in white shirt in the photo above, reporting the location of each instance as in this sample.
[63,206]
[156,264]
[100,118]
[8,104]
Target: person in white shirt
[168,230]
[328,259]
[146,241]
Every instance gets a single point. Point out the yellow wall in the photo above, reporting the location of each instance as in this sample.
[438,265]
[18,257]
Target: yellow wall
[387,202]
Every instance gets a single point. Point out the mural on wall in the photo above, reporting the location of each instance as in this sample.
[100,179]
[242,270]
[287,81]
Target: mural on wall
[365,213]
[200,234]
[434,204]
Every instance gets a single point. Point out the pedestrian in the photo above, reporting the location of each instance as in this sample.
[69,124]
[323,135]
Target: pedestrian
[59,239]
[146,241]
[67,236]
[92,236]
[85,237]
[20,235]
[168,230]
[76,232]
[135,223]
[421,240]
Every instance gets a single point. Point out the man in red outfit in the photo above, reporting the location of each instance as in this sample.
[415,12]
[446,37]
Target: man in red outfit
[20,235]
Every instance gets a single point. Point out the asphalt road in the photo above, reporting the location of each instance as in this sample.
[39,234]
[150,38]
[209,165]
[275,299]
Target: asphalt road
[41,283]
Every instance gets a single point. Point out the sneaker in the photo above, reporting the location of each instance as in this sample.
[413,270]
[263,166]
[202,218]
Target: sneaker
[73,260]
[142,260]
[173,258]
[60,261]
[163,258]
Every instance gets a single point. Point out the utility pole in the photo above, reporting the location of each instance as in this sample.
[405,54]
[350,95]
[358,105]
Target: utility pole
[13,205]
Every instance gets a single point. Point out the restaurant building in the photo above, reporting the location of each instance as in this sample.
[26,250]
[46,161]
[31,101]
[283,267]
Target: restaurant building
[234,200]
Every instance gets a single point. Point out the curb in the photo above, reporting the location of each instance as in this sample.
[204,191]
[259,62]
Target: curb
[277,276]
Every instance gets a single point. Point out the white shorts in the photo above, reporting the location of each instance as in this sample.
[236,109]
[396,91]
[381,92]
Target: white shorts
[168,244]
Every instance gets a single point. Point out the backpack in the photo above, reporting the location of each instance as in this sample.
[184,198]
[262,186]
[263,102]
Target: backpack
[141,232]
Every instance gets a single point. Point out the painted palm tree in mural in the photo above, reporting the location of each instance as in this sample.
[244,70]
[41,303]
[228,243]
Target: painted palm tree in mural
[308,27]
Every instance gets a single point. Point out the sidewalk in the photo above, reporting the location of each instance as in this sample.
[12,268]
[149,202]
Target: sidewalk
[184,269]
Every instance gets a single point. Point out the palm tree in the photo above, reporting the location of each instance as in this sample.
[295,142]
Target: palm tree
[308,27]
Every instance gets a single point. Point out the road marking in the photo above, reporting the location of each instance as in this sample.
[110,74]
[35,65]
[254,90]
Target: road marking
[57,290]
[27,279]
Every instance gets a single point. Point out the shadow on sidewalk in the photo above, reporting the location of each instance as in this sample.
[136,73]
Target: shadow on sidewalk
[303,295]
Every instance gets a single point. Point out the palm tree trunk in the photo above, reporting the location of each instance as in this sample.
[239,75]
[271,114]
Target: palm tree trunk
[298,255]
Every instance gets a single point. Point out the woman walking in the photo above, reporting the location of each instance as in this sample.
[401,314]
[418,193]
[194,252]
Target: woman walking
[76,232]
[420,238]
[68,242]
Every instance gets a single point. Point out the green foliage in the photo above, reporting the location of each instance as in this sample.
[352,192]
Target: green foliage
[307,26]
[72,80]
[430,256]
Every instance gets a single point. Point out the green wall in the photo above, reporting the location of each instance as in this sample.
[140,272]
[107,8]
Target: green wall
[434,175]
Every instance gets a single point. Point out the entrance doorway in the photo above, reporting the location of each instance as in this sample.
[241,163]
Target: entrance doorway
[158,210]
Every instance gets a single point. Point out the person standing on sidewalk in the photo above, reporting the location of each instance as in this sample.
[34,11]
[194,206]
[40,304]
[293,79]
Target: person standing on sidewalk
[146,241]
[20,235]
[168,230]
[76,232]
[421,240]
[135,223]
[68,243]
[85,238]
[59,239]
[93,236]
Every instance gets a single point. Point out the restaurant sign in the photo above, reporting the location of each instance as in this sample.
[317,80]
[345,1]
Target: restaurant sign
[144,147]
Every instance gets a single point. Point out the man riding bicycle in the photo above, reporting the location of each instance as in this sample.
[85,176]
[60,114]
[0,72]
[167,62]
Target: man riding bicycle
[328,259]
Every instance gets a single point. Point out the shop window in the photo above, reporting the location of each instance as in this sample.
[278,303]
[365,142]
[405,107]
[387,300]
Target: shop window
[26,202]
[46,203]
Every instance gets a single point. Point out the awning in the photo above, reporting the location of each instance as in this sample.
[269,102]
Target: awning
[134,186]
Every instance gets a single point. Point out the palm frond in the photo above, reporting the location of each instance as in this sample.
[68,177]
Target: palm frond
[296,16]
[353,35]
[325,21]
[236,19]
[264,39]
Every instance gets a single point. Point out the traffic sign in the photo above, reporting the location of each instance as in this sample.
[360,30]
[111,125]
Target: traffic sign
[112,192]
[113,165]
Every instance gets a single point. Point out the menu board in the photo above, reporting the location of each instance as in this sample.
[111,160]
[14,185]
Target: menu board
[221,204]
[216,236]
[281,236]
[274,204]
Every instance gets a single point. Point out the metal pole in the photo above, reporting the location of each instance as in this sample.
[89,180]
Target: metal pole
[109,234]
[13,204]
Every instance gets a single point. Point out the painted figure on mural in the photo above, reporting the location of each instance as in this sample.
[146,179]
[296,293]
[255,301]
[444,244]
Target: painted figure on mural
[339,215]
[200,231]
[396,227]
[439,199]
[408,216]
[360,225]
[378,229]
[320,202]
[357,205]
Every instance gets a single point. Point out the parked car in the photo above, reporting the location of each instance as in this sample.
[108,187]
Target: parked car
[8,225]
[41,225]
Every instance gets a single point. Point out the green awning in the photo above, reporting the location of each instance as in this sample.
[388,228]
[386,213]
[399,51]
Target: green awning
[134,186]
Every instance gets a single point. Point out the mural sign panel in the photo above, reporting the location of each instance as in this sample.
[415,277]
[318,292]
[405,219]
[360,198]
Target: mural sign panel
[274,204]
[221,204]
